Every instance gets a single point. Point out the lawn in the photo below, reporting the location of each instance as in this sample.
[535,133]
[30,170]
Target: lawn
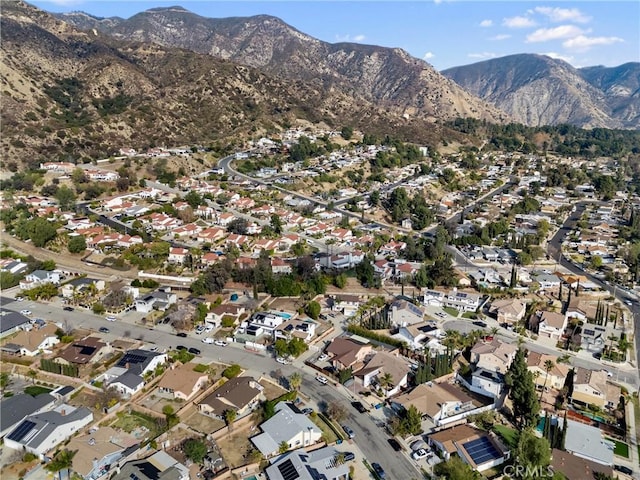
[451,311]
[327,432]
[508,435]
[621,449]
[137,423]
[35,390]
[471,315]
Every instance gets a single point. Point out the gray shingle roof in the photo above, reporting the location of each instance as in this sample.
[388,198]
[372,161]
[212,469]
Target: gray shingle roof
[14,409]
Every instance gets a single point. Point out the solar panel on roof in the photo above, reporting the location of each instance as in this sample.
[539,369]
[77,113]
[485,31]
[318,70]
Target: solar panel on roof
[481,450]
[288,470]
[19,433]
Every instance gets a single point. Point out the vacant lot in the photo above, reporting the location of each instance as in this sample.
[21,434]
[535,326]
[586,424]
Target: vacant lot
[158,402]
[271,390]
[138,424]
[235,447]
[203,423]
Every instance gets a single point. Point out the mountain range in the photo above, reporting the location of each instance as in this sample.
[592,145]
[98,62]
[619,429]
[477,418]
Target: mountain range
[532,89]
[76,85]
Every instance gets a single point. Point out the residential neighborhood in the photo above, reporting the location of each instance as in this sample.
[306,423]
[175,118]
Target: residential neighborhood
[363,312]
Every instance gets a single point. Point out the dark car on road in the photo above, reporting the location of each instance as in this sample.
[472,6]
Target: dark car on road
[194,350]
[379,471]
[395,444]
[68,309]
[181,347]
[181,334]
[359,407]
[350,433]
[103,330]
[480,324]
[623,469]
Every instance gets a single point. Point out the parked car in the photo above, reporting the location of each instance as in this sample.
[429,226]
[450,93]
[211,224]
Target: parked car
[322,379]
[181,334]
[395,444]
[323,357]
[208,328]
[26,313]
[194,350]
[68,308]
[623,469]
[282,360]
[379,471]
[347,429]
[152,348]
[220,343]
[359,407]
[180,347]
[208,340]
[419,454]
[199,329]
[480,324]
[306,411]
[103,330]
[111,318]
[349,456]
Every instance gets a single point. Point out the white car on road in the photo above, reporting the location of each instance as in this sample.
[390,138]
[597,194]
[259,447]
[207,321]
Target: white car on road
[111,318]
[282,360]
[322,379]
[220,343]
[26,313]
[208,340]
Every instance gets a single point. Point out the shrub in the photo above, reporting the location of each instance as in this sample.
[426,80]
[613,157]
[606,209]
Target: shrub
[231,371]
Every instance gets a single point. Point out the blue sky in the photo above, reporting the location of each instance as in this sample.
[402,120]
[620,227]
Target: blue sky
[445,33]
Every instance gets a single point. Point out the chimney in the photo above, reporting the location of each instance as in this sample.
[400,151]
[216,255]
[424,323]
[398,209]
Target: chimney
[63,412]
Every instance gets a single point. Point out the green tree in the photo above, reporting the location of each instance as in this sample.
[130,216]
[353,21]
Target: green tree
[194,449]
[548,366]
[346,132]
[32,374]
[276,224]
[455,469]
[283,447]
[295,380]
[62,461]
[77,244]
[533,452]
[522,391]
[230,417]
[340,280]
[313,309]
[66,198]
[98,308]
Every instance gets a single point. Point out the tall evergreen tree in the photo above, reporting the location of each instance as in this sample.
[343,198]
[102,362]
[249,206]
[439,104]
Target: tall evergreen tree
[522,391]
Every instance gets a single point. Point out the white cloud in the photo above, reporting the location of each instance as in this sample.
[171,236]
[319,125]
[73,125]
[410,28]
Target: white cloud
[583,43]
[486,23]
[349,38]
[502,36]
[518,22]
[428,56]
[556,14]
[556,33]
[66,3]
[482,55]
[559,56]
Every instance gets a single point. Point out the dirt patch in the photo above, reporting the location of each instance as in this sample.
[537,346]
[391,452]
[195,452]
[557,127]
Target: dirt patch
[123,344]
[271,390]
[158,402]
[203,423]
[236,446]
[89,399]
[286,304]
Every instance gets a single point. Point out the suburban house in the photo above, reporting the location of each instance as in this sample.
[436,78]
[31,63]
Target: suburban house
[508,311]
[489,383]
[433,298]
[127,375]
[177,255]
[41,432]
[590,387]
[240,394]
[262,323]
[345,352]
[577,468]
[34,341]
[159,466]
[302,465]
[158,300]
[87,350]
[11,322]
[494,355]
[588,442]
[127,384]
[550,324]
[98,450]
[383,364]
[347,304]
[417,334]
[182,382]
[81,285]
[228,310]
[553,378]
[479,449]
[402,313]
[39,277]
[462,301]
[288,426]
[16,408]
[296,328]
[442,403]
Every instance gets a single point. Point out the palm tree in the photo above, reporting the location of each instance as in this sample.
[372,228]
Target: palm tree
[230,417]
[283,447]
[62,461]
[548,366]
[494,331]
[386,381]
[295,380]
